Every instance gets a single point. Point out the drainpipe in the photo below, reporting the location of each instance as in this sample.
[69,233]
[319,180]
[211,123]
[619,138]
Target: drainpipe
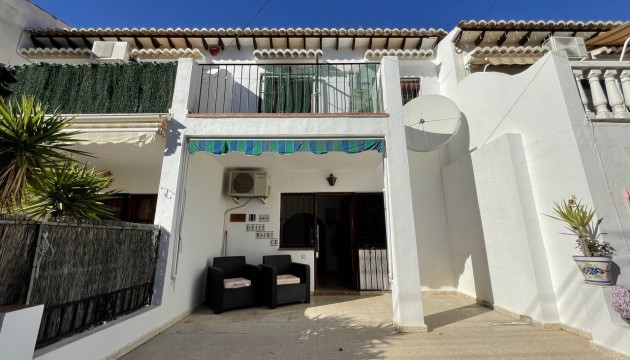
[623,51]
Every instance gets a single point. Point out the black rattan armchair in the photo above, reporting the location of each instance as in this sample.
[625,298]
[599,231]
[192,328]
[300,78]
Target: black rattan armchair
[218,298]
[274,294]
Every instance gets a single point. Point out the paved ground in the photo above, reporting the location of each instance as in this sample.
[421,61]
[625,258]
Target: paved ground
[353,327]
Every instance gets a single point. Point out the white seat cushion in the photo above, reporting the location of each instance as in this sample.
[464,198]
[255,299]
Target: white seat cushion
[235,283]
[288,279]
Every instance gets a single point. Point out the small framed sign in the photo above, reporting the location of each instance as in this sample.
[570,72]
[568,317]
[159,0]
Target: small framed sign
[254,227]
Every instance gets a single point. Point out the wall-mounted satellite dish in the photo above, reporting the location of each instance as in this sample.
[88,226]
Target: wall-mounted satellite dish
[430,122]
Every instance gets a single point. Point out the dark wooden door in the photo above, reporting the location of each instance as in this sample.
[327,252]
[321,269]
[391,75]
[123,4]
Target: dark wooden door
[347,254]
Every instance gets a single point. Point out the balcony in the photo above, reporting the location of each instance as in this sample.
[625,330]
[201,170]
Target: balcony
[604,87]
[342,89]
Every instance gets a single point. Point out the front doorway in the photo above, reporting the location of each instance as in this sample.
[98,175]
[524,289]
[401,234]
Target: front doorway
[346,232]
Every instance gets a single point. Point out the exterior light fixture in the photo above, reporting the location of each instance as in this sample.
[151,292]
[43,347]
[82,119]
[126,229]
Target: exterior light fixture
[331,179]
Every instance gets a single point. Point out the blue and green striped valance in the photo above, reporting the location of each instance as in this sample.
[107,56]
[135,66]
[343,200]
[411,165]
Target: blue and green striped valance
[285,147]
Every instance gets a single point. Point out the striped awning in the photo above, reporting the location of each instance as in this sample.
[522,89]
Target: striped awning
[285,147]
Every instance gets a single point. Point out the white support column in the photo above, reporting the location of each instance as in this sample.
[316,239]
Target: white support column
[615,99]
[170,198]
[579,76]
[408,315]
[624,79]
[597,93]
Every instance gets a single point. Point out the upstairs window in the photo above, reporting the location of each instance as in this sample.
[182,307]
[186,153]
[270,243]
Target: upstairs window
[409,89]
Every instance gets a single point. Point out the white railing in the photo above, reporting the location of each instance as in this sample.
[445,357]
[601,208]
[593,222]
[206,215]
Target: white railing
[604,88]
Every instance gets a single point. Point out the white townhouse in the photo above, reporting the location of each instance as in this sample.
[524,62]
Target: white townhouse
[297,141]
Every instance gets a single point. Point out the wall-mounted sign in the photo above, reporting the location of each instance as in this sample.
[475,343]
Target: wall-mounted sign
[237,217]
[254,227]
[264,234]
[263,218]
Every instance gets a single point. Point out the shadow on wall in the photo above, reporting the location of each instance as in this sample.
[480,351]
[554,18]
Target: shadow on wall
[160,267]
[469,259]
[173,137]
[222,91]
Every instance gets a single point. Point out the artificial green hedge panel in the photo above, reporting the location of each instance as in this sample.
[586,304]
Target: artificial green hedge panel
[98,88]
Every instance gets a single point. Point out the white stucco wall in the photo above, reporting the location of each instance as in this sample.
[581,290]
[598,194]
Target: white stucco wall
[15,15]
[512,237]
[608,329]
[203,218]
[534,104]
[469,261]
[431,221]
[605,151]
[136,170]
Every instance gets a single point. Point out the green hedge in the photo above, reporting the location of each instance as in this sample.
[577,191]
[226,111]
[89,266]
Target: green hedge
[98,88]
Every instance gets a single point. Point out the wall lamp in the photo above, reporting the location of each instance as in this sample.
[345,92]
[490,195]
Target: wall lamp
[331,179]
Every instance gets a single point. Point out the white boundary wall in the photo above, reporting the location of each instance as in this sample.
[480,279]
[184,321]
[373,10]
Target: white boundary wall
[529,104]
[526,143]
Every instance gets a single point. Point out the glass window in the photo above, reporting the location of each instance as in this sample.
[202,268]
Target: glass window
[297,219]
[409,89]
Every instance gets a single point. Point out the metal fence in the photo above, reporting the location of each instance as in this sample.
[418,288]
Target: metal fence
[84,274]
[290,88]
[373,271]
[371,240]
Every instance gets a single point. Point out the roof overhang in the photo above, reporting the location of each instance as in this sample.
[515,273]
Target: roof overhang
[258,38]
[526,33]
[502,55]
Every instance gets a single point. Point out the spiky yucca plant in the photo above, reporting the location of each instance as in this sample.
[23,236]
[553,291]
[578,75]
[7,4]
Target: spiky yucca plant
[579,220]
[30,142]
[69,191]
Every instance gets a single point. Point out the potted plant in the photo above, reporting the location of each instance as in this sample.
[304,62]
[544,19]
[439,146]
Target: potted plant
[596,258]
[621,302]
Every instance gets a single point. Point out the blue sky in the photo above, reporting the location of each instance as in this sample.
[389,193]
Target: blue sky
[323,13]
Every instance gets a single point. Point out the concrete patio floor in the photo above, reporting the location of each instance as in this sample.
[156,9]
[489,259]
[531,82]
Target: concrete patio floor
[359,327]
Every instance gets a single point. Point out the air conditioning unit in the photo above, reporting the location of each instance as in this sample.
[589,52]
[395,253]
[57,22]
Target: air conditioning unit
[110,51]
[249,184]
[573,46]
